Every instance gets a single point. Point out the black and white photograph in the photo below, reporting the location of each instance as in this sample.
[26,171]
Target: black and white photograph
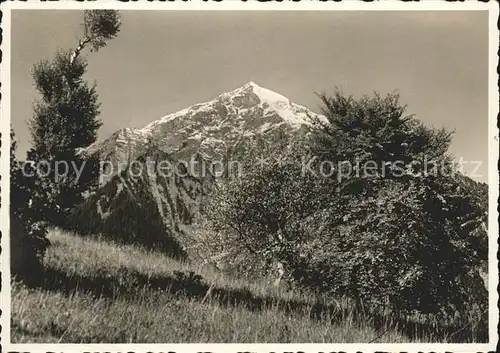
[306,175]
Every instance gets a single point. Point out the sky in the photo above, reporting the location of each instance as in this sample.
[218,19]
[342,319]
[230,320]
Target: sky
[164,61]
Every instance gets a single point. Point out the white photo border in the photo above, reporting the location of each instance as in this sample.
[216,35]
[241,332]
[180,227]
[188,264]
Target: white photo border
[238,5]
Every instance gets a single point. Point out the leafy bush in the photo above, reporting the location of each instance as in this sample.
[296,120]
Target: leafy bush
[406,249]
[260,217]
[28,233]
[401,236]
[406,235]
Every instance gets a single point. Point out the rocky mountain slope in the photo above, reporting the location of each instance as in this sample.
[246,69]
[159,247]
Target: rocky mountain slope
[210,128]
[160,174]
[144,196]
[143,205]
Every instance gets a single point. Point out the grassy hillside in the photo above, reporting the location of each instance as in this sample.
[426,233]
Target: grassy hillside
[96,291]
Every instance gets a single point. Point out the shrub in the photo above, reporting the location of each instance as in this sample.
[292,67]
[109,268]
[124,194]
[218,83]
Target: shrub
[406,234]
[401,238]
[404,248]
[260,217]
[28,233]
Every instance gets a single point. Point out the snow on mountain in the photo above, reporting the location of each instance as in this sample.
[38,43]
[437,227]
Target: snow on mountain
[156,208]
[244,101]
[209,128]
[121,147]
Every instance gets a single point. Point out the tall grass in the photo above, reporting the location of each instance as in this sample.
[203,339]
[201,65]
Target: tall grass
[97,291]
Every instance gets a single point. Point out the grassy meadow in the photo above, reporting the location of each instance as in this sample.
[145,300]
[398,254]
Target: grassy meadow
[95,291]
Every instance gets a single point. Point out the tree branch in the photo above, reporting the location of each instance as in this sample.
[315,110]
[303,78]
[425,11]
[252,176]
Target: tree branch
[78,49]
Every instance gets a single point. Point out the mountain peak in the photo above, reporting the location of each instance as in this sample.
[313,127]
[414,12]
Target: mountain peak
[248,107]
[251,83]
[259,95]
[211,127]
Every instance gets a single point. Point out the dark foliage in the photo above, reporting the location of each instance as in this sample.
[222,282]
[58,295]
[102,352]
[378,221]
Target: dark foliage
[100,26]
[65,121]
[27,229]
[407,233]
[260,217]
